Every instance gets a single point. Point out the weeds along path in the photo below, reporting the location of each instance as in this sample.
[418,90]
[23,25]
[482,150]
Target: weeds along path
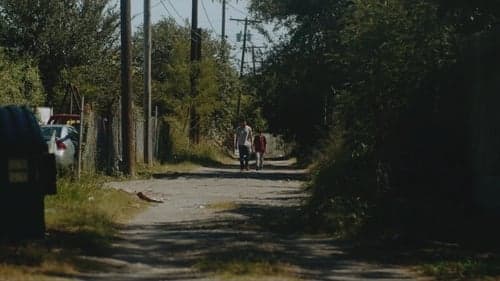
[222,224]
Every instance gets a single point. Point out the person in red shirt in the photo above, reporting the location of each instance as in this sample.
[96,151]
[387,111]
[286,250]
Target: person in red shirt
[259,144]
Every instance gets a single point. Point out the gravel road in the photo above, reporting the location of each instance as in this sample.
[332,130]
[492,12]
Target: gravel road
[221,214]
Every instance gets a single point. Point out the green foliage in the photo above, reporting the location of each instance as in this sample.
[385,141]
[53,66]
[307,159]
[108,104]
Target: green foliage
[341,189]
[98,81]
[181,150]
[397,83]
[20,82]
[298,80]
[85,206]
[58,34]
[463,269]
[218,84]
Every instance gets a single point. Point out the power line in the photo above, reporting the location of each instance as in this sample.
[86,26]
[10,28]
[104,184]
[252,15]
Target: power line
[237,9]
[166,9]
[175,10]
[208,18]
[140,13]
[170,14]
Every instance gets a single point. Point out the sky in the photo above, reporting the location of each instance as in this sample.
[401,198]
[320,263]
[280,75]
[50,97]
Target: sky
[209,17]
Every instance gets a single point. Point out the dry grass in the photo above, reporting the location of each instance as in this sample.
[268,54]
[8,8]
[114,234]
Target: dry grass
[248,262]
[223,206]
[81,220]
[169,168]
[243,269]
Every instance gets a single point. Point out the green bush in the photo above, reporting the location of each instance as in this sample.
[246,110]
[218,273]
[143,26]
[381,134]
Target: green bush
[179,149]
[20,82]
[342,189]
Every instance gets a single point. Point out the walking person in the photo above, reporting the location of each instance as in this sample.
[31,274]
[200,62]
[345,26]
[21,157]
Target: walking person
[259,144]
[243,142]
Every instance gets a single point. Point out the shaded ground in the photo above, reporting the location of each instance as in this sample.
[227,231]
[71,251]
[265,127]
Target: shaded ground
[216,217]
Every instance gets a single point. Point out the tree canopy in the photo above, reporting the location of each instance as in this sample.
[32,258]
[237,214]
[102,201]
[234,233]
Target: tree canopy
[20,82]
[58,34]
[386,93]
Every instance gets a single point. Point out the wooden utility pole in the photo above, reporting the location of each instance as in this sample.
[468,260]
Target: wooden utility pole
[194,132]
[223,31]
[194,31]
[148,140]
[238,108]
[80,140]
[246,21]
[128,143]
[253,59]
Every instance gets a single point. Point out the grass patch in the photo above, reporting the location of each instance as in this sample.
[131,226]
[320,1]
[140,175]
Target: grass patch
[247,269]
[223,206]
[81,220]
[205,154]
[166,169]
[87,207]
[434,260]
[464,269]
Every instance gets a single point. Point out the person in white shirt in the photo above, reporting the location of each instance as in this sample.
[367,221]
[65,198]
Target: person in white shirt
[243,142]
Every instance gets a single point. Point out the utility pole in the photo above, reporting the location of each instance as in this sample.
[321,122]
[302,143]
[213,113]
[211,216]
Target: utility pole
[128,143]
[194,133]
[238,107]
[148,140]
[194,31]
[223,31]
[246,21]
[253,59]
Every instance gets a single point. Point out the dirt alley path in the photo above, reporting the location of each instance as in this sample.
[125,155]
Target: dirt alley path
[220,214]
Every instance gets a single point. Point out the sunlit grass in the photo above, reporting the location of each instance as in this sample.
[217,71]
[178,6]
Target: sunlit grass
[12,273]
[169,168]
[247,269]
[223,206]
[81,219]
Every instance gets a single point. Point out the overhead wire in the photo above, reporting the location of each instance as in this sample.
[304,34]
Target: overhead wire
[140,13]
[162,3]
[208,18]
[237,9]
[168,11]
[175,10]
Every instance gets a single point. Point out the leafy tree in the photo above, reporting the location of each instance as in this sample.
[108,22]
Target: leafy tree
[99,82]
[299,80]
[171,68]
[20,82]
[375,83]
[58,34]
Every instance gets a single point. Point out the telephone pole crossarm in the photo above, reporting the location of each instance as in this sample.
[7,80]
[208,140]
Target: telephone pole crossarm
[247,20]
